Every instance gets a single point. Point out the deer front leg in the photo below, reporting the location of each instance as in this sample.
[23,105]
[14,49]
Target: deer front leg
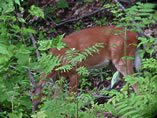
[74,79]
[37,91]
[126,69]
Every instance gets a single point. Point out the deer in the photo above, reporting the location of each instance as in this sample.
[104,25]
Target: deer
[109,56]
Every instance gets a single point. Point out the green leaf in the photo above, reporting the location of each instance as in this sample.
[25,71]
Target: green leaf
[3,95]
[36,11]
[7,8]
[26,31]
[47,63]
[5,53]
[3,49]
[40,114]
[128,58]
[4,59]
[64,68]
[145,10]
[107,6]
[89,0]
[21,20]
[131,112]
[15,28]
[111,108]
[12,115]
[148,5]
[23,59]
[54,43]
[17,2]
[82,71]
[23,55]
[45,45]
[127,109]
[24,50]
[62,4]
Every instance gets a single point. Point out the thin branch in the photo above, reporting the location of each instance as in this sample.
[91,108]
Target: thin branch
[30,75]
[73,20]
[31,78]
[125,1]
[34,45]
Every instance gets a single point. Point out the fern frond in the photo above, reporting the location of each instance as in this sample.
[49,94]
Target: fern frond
[64,68]
[82,71]
[74,56]
[48,62]
[88,51]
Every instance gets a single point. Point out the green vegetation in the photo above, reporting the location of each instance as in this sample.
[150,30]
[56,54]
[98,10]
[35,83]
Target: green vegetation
[19,60]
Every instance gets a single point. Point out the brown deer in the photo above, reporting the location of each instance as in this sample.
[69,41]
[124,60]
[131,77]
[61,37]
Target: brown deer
[110,55]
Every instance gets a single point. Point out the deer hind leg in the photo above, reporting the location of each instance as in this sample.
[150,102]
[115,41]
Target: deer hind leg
[126,69]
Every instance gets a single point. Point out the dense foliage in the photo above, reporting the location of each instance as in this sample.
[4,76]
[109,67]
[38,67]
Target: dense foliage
[21,66]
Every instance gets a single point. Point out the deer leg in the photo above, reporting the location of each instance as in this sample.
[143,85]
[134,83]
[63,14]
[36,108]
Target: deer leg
[126,69]
[37,91]
[74,79]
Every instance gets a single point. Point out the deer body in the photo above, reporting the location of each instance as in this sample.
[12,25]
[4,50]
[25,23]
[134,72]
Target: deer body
[111,55]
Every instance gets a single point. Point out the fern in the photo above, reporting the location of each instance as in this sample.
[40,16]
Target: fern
[64,68]
[61,109]
[142,105]
[82,71]
[74,56]
[141,13]
[54,43]
[47,63]
[150,64]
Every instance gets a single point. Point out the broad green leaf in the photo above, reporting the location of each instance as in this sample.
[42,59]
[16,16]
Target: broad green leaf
[111,108]
[23,59]
[54,43]
[40,114]
[4,59]
[36,11]
[3,49]
[15,28]
[17,2]
[23,50]
[12,115]
[21,20]
[26,31]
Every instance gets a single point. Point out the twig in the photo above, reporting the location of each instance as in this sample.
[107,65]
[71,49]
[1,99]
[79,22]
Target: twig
[125,1]
[30,75]
[73,20]
[34,45]
[31,78]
